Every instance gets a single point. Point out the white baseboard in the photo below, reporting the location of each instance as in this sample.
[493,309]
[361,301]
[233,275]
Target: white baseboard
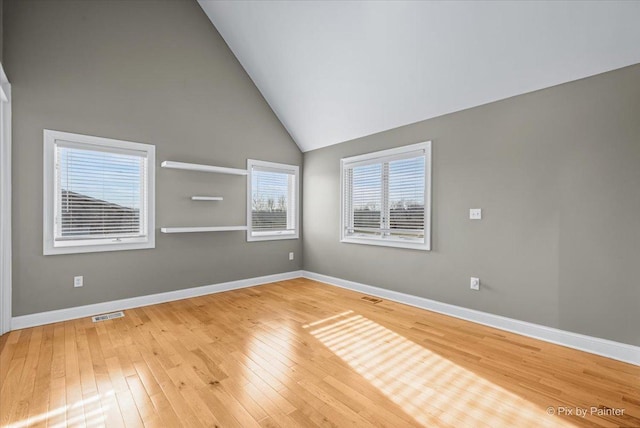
[606,348]
[49,317]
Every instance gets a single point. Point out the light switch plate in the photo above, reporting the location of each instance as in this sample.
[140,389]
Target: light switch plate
[475,213]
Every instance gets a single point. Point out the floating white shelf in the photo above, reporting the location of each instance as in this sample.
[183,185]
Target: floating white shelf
[201,229]
[206,198]
[203,168]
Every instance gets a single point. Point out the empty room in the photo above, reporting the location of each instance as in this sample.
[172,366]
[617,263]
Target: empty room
[319,213]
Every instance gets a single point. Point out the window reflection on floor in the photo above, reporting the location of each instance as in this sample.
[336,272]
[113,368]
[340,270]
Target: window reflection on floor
[428,387]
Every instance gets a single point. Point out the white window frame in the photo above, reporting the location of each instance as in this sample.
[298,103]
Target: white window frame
[50,246]
[381,157]
[294,198]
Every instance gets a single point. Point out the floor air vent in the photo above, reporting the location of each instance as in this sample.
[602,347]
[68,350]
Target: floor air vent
[110,316]
[371,299]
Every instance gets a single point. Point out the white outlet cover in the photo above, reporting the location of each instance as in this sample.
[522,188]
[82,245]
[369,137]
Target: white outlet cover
[475,283]
[475,213]
[291,256]
[78,281]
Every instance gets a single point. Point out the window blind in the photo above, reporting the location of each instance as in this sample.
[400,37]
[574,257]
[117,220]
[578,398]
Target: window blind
[384,198]
[272,200]
[406,198]
[366,198]
[100,194]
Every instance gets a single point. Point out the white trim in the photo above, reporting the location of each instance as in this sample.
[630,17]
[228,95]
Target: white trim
[395,151]
[5,207]
[294,197]
[49,317]
[386,242]
[594,345]
[49,247]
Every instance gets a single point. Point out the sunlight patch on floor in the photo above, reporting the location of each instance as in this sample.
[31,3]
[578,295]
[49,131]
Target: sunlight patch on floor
[427,386]
[92,418]
[327,319]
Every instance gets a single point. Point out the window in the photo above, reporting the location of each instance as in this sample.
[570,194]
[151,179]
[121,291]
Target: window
[386,197]
[98,194]
[272,206]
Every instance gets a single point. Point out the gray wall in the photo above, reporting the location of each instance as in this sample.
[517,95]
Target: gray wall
[153,72]
[1,29]
[557,174]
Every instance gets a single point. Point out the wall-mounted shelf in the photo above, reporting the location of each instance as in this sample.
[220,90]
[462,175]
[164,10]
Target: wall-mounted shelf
[201,229]
[206,198]
[203,168]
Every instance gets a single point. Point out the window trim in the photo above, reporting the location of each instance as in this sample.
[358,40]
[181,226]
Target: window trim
[275,235]
[50,247]
[381,156]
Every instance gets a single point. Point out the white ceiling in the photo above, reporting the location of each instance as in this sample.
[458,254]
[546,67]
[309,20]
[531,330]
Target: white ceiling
[337,70]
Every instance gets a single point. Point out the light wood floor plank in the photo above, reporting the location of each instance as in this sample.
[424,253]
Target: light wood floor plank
[300,353]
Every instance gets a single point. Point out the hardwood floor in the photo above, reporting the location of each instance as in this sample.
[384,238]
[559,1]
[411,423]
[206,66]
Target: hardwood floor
[301,353]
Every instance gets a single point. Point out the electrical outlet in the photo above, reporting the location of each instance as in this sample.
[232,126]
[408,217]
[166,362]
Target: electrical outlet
[291,255]
[78,281]
[475,283]
[475,214]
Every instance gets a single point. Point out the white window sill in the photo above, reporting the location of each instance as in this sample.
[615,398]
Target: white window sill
[387,242]
[70,247]
[271,236]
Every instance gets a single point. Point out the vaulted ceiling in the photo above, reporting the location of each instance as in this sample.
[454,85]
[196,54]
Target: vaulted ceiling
[337,70]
